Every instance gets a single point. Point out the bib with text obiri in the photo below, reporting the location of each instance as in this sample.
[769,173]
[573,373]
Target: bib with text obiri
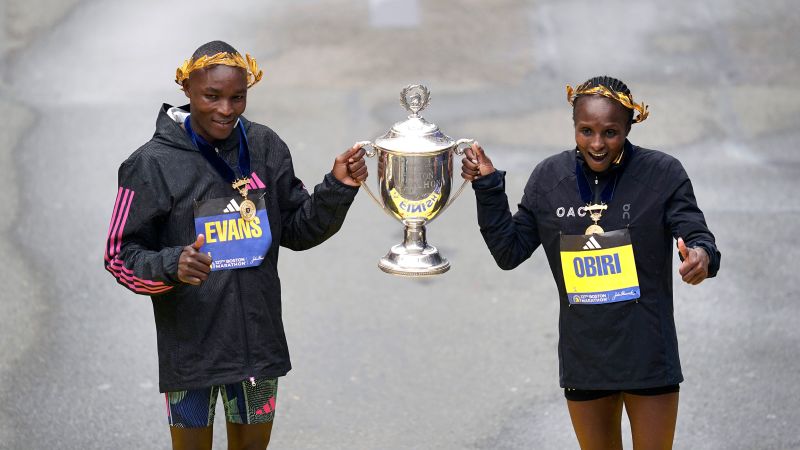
[599,268]
[231,241]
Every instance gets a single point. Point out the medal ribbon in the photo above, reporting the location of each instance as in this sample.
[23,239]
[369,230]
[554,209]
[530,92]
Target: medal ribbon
[219,164]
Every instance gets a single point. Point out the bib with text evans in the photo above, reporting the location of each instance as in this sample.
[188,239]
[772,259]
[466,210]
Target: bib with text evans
[599,268]
[231,241]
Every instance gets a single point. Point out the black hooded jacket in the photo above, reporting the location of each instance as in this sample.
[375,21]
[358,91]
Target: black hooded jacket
[623,345]
[229,328]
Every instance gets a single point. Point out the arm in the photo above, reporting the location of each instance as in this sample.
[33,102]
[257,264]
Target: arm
[308,220]
[511,239]
[131,253]
[697,248]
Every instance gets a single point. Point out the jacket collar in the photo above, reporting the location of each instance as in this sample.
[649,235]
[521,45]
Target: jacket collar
[169,130]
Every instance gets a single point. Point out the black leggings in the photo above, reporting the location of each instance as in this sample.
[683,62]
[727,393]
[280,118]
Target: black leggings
[582,395]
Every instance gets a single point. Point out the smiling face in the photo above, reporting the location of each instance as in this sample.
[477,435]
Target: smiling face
[217,96]
[601,126]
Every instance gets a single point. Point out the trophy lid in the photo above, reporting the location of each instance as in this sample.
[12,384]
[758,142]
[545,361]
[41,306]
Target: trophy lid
[415,134]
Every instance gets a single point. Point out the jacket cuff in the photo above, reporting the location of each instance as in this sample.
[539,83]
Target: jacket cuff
[493,182]
[713,256]
[169,259]
[338,186]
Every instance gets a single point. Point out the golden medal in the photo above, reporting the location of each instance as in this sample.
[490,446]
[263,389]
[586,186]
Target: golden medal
[246,208]
[595,212]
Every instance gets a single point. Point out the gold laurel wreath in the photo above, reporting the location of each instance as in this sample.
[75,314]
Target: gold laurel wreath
[625,99]
[254,74]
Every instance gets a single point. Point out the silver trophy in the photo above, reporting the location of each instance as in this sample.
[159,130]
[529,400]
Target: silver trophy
[415,178]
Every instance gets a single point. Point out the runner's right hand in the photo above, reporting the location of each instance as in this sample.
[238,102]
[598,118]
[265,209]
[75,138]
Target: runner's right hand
[193,266]
[475,163]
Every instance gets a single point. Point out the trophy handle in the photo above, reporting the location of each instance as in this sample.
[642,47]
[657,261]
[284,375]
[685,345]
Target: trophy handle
[458,150]
[371,152]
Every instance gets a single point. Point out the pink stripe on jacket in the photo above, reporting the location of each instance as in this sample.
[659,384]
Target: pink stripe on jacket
[113,263]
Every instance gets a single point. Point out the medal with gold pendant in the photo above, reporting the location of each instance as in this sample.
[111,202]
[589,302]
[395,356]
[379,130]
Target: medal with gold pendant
[595,212]
[246,208]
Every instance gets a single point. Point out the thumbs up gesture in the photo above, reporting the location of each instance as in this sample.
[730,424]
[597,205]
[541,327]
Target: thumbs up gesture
[694,267]
[475,163]
[193,266]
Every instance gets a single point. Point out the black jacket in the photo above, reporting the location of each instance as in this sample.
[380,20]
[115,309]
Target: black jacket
[624,345]
[229,328]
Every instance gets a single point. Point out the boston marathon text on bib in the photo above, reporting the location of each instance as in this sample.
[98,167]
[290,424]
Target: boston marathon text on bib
[599,268]
[232,241]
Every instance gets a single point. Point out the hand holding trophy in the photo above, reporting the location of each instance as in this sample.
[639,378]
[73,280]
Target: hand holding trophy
[415,178]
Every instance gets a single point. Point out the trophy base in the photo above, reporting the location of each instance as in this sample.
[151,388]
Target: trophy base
[414,257]
[414,263]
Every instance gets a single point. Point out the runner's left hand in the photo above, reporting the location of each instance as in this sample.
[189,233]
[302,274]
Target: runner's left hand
[350,167]
[694,267]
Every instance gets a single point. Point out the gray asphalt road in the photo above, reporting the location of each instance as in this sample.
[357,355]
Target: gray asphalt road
[463,361]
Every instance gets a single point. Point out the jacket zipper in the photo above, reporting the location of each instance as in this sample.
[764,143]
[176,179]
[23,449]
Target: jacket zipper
[595,183]
[246,338]
[244,326]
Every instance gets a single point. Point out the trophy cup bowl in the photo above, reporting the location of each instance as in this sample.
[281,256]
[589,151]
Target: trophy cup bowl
[415,179]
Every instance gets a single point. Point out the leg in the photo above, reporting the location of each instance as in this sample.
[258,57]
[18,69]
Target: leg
[653,419]
[191,418]
[191,438]
[249,411]
[597,422]
[248,437]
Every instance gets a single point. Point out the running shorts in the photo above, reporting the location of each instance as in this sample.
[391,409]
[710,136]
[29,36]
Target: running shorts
[248,402]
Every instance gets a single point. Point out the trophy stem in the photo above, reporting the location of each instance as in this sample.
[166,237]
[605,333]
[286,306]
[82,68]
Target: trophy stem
[414,257]
[414,240]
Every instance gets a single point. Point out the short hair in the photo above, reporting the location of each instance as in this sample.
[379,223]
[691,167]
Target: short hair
[609,82]
[212,48]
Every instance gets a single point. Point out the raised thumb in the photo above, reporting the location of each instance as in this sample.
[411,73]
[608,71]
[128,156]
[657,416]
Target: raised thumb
[682,248]
[199,242]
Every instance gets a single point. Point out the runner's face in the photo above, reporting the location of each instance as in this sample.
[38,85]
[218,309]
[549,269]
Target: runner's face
[217,96]
[601,126]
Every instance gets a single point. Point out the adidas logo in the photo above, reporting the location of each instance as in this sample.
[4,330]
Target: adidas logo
[232,207]
[591,244]
[268,407]
[255,182]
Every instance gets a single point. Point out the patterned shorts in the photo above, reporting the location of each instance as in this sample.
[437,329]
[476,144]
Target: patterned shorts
[249,402]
